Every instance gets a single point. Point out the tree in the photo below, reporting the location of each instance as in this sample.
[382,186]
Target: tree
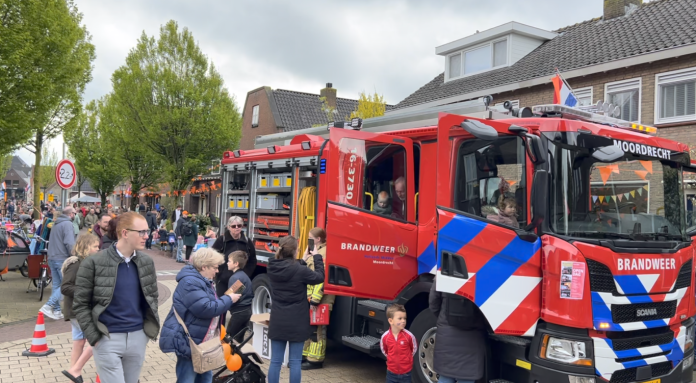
[93,152]
[5,164]
[171,99]
[46,173]
[369,106]
[45,63]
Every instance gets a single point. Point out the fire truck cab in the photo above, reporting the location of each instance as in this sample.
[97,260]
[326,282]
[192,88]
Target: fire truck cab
[565,229]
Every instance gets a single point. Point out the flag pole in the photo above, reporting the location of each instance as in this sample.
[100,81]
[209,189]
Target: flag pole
[566,82]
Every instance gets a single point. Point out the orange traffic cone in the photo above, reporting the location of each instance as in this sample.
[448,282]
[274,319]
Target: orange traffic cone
[38,343]
[98,380]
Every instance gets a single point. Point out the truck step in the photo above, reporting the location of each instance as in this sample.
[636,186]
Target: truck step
[365,343]
[374,304]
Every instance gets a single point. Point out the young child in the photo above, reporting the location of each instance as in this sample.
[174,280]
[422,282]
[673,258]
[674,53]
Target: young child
[163,238]
[383,205]
[507,212]
[398,345]
[240,312]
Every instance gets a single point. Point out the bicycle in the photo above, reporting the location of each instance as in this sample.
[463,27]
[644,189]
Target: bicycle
[38,270]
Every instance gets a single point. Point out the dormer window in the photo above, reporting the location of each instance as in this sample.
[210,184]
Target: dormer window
[478,59]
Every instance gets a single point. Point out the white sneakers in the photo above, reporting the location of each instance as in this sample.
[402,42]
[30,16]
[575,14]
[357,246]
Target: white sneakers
[51,313]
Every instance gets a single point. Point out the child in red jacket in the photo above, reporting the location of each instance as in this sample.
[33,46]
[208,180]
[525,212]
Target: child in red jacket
[398,345]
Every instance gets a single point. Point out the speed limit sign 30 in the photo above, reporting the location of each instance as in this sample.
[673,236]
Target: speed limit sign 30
[65,174]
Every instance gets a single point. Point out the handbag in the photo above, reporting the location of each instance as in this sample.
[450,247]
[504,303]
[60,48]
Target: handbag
[206,356]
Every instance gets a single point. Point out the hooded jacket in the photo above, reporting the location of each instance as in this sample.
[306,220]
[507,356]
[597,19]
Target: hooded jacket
[225,244]
[195,302]
[67,286]
[62,239]
[151,219]
[290,314]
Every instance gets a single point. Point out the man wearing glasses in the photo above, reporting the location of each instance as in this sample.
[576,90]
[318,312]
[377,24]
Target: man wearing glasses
[116,302]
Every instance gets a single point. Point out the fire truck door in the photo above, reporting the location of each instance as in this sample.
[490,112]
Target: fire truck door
[371,231]
[484,255]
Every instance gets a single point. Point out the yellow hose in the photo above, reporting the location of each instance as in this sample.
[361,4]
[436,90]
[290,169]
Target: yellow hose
[305,212]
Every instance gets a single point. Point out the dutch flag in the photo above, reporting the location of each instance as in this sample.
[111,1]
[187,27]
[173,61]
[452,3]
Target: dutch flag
[562,93]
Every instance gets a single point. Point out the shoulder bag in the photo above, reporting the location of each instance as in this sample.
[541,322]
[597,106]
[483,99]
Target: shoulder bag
[206,356]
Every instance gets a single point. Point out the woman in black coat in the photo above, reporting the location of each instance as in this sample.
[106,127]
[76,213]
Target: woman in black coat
[232,240]
[460,348]
[290,315]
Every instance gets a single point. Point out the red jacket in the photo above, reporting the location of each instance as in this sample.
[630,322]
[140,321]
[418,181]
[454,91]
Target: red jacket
[399,351]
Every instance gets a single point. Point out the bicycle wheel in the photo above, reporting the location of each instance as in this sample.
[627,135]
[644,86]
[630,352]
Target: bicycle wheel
[42,284]
[24,269]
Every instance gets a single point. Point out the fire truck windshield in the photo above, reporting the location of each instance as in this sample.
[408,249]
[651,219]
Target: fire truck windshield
[636,197]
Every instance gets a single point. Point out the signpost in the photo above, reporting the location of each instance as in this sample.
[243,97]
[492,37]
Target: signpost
[65,178]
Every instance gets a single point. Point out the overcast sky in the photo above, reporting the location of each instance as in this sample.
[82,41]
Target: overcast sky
[385,46]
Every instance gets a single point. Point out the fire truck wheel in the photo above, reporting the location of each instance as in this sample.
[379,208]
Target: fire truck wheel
[424,329]
[262,294]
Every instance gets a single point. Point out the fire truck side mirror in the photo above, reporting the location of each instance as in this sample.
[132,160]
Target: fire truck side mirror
[540,192]
[480,130]
[533,145]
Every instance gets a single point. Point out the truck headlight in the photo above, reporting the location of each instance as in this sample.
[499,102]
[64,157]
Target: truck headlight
[564,351]
[689,338]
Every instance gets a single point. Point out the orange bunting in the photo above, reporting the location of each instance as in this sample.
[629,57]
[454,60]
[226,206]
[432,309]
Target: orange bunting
[605,173]
[511,182]
[648,166]
[614,168]
[641,173]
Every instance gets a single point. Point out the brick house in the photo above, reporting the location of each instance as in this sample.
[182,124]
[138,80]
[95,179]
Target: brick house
[16,182]
[641,57]
[268,111]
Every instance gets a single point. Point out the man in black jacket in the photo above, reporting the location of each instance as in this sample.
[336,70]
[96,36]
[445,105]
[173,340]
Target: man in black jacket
[232,240]
[151,219]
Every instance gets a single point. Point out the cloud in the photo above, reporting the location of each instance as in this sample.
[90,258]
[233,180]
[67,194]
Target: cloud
[386,46]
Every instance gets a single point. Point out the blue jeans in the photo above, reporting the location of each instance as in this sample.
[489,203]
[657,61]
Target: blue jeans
[294,360]
[56,296]
[185,373]
[179,249]
[396,378]
[444,379]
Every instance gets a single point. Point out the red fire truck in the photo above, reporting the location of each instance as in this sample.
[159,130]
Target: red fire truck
[589,279]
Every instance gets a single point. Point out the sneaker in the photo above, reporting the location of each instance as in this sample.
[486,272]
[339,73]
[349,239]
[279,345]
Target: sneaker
[58,314]
[48,311]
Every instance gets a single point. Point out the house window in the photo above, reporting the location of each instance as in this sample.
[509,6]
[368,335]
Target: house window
[626,95]
[15,183]
[255,116]
[584,96]
[215,168]
[479,59]
[676,96]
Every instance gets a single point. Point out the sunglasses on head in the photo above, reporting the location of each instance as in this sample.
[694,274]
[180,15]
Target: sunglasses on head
[236,226]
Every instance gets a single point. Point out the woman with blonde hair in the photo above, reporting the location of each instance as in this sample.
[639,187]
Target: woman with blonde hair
[86,245]
[199,308]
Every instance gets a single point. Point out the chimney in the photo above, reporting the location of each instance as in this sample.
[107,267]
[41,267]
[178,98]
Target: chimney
[618,8]
[330,93]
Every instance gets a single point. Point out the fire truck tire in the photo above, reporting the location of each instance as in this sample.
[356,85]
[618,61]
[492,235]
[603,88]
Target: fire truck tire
[261,286]
[424,329]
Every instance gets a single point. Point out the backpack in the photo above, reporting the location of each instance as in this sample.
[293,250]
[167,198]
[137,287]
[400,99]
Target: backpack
[187,228]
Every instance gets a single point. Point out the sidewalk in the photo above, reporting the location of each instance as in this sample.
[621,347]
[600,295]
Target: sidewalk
[342,364]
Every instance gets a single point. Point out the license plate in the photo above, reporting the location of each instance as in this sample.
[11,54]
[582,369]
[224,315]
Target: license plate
[652,381]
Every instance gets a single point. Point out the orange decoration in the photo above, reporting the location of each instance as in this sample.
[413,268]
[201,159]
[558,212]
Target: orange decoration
[226,350]
[641,174]
[605,172]
[614,168]
[223,332]
[234,362]
[511,182]
[647,165]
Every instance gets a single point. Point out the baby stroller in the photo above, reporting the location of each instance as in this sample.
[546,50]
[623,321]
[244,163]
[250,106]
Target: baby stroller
[249,372]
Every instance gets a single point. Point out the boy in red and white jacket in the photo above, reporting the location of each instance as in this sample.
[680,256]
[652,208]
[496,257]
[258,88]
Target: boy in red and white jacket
[398,345]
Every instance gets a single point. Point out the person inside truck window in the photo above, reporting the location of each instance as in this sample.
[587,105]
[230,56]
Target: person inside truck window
[383,205]
[507,212]
[399,200]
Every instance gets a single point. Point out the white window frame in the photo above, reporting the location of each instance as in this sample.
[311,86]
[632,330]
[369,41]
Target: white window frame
[628,85]
[254,116]
[659,81]
[216,163]
[490,44]
[587,89]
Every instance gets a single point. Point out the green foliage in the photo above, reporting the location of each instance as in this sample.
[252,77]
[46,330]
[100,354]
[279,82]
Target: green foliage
[328,110]
[372,105]
[94,155]
[169,225]
[203,223]
[5,163]
[171,100]
[45,63]
[170,203]
[47,170]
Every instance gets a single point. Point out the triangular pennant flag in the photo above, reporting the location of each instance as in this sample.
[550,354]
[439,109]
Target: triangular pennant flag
[640,191]
[594,198]
[614,168]
[620,197]
[647,165]
[641,174]
[605,172]
[645,187]
[633,193]
[601,199]
[608,198]
[626,195]
[511,182]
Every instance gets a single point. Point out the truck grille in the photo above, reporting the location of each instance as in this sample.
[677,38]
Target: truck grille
[641,338]
[628,313]
[601,278]
[684,278]
[629,375]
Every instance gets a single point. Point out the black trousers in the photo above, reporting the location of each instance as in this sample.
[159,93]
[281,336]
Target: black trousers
[189,249]
[238,321]
[148,243]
